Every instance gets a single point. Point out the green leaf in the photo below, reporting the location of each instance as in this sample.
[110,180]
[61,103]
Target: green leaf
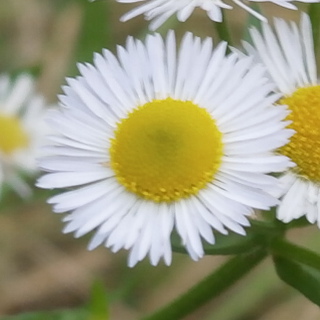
[303,278]
[224,245]
[231,244]
[291,251]
[98,304]
[298,223]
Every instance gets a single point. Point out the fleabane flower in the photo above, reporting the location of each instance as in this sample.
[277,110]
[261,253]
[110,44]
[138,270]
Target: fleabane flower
[158,139]
[288,55]
[159,11]
[21,131]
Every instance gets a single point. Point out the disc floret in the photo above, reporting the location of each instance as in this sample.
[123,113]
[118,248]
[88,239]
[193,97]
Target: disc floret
[166,150]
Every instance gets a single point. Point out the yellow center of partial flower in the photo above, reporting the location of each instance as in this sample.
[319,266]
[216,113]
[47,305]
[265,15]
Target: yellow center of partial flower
[166,150]
[12,135]
[304,146]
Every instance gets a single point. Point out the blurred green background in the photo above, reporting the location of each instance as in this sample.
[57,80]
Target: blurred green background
[53,276]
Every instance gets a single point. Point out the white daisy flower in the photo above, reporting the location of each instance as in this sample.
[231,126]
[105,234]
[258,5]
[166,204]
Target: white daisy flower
[155,140]
[288,55]
[159,11]
[21,130]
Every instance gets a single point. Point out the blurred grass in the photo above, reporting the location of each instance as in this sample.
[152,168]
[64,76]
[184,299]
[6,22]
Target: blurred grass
[56,315]
[42,269]
[96,31]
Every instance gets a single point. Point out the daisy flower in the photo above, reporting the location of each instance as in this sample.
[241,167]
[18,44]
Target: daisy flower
[21,130]
[158,139]
[159,11]
[288,55]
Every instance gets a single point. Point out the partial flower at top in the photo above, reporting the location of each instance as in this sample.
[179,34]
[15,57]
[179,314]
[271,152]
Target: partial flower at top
[155,140]
[158,11]
[21,131]
[288,54]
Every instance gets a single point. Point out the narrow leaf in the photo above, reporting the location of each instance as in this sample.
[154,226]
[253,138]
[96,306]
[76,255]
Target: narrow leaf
[303,278]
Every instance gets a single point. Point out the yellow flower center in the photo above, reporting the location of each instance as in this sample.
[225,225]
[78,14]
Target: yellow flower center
[166,150]
[304,146]
[12,134]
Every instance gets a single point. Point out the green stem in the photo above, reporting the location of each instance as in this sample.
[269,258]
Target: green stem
[223,30]
[291,251]
[269,228]
[210,287]
[314,13]
[252,21]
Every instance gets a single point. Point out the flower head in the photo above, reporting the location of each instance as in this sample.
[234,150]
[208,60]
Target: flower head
[159,11]
[154,140]
[21,130]
[288,55]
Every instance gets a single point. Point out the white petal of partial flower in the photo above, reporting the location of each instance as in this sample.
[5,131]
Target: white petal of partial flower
[311,202]
[287,53]
[19,94]
[19,104]
[291,206]
[159,11]
[18,185]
